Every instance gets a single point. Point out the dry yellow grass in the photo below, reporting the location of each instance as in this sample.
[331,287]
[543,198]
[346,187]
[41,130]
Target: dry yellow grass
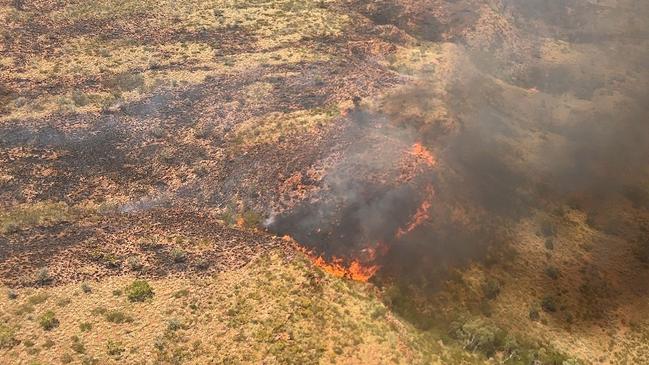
[272,128]
[276,310]
[277,25]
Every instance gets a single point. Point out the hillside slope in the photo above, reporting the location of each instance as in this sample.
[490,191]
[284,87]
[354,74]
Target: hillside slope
[482,163]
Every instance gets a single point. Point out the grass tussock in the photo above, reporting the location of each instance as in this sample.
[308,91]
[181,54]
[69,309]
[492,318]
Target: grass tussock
[36,215]
[276,127]
[275,310]
[139,291]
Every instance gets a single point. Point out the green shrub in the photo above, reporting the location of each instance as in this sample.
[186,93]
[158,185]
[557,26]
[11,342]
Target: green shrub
[7,337]
[202,264]
[66,358]
[157,132]
[549,243]
[534,314]
[63,302]
[43,276]
[11,294]
[178,255]
[24,309]
[549,304]
[491,288]
[174,325]
[478,335]
[134,263]
[251,219]
[48,344]
[77,345]
[109,259]
[114,349]
[38,298]
[552,272]
[48,321]
[116,316]
[127,82]
[39,214]
[139,291]
[548,229]
[98,310]
[378,312]
[85,326]
[181,293]
[80,99]
[485,307]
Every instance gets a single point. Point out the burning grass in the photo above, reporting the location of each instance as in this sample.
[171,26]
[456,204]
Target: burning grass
[234,92]
[338,267]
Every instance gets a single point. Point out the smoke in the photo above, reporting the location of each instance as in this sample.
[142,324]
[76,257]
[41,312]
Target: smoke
[544,115]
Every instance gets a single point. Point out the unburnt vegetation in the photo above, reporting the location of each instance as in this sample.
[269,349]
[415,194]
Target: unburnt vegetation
[147,148]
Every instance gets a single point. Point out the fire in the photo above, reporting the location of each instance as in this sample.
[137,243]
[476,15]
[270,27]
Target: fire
[337,267]
[420,216]
[418,150]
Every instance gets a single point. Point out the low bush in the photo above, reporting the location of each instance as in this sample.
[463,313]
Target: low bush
[491,288]
[66,359]
[77,345]
[48,321]
[114,349]
[85,326]
[43,276]
[7,337]
[479,335]
[178,255]
[80,98]
[139,291]
[116,316]
[174,325]
[549,304]
[534,314]
[548,229]
[126,81]
[552,272]
[549,243]
[134,263]
[37,298]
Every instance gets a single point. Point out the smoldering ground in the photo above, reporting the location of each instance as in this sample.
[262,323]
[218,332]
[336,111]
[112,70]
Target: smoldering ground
[546,135]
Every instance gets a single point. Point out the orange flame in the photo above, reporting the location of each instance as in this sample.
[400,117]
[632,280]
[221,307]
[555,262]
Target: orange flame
[336,267]
[355,270]
[418,150]
[420,216]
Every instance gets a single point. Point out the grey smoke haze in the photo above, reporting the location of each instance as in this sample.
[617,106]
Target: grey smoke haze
[557,117]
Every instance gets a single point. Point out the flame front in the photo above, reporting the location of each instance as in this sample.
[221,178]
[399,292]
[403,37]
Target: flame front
[363,267]
[336,267]
[418,150]
[420,216]
[355,270]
